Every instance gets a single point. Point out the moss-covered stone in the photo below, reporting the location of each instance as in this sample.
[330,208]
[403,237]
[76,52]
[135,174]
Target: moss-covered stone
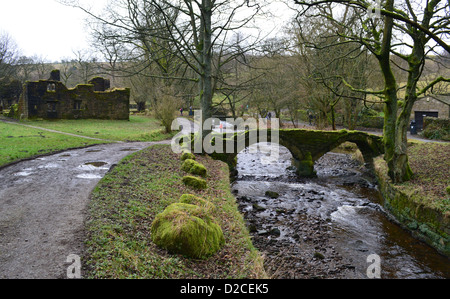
[195,183]
[272,194]
[448,190]
[187,155]
[197,201]
[198,169]
[305,167]
[188,230]
[188,163]
[193,167]
[425,222]
[55,75]
[306,146]
[81,102]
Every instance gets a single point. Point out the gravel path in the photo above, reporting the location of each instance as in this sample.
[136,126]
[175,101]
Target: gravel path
[42,208]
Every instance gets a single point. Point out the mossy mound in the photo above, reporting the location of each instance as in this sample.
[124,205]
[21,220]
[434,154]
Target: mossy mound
[448,190]
[188,163]
[193,167]
[188,230]
[195,183]
[197,201]
[187,155]
[272,194]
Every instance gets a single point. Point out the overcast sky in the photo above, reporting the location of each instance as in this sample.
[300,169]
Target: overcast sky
[47,28]
[43,27]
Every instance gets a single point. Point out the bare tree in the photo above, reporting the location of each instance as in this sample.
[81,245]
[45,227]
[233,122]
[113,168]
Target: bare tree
[166,107]
[189,31]
[275,85]
[8,55]
[68,70]
[85,64]
[325,59]
[234,81]
[408,30]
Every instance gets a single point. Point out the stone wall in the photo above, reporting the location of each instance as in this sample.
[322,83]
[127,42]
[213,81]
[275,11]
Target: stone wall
[424,222]
[50,99]
[431,104]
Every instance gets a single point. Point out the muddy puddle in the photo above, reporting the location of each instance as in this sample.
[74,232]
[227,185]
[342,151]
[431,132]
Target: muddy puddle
[325,227]
[94,151]
[89,176]
[93,170]
[129,150]
[94,165]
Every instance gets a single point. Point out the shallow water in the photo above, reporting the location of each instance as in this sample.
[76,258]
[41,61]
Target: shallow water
[329,225]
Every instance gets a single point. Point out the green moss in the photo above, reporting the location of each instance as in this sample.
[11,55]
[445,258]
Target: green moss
[230,159]
[187,155]
[305,167]
[198,169]
[272,194]
[194,167]
[14,111]
[188,230]
[197,201]
[318,255]
[448,190]
[187,165]
[412,209]
[195,183]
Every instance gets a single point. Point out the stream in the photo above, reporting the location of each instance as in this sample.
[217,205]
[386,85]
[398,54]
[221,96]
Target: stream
[326,227]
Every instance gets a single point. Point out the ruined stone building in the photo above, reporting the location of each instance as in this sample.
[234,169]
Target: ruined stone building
[51,99]
[431,106]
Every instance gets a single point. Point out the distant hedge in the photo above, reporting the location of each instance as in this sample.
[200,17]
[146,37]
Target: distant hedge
[371,122]
[436,128]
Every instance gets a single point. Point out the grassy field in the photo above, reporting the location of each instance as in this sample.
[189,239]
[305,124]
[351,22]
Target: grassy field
[18,142]
[125,203]
[139,128]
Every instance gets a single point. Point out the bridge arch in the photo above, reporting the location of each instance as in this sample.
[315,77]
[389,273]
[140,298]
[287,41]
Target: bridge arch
[306,146]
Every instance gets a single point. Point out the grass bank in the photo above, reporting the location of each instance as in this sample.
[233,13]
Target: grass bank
[423,204]
[138,128]
[125,203]
[430,163]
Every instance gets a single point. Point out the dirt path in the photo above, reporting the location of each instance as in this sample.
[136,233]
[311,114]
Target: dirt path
[42,208]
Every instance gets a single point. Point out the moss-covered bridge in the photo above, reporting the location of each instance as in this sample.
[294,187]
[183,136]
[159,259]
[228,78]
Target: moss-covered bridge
[306,146]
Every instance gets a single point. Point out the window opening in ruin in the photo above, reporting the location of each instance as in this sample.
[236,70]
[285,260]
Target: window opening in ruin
[77,105]
[51,87]
[51,106]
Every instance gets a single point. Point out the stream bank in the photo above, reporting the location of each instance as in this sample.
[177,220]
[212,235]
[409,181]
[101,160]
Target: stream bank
[326,227]
[425,222]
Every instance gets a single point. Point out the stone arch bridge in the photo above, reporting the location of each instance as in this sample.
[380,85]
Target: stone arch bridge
[306,146]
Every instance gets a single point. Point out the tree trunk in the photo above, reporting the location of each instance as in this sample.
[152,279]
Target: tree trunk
[396,143]
[333,114]
[395,133]
[415,62]
[395,129]
[207,84]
